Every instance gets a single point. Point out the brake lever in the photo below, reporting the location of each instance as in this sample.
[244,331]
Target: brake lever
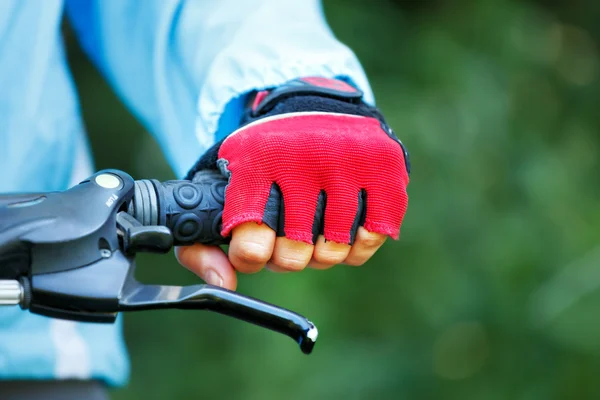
[78,249]
[138,297]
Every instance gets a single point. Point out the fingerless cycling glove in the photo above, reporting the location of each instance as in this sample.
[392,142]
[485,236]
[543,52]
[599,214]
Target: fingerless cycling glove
[311,158]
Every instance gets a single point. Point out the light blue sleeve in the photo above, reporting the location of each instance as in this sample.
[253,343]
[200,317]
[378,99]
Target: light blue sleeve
[184,67]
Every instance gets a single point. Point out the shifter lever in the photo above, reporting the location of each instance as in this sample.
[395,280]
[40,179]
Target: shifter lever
[138,238]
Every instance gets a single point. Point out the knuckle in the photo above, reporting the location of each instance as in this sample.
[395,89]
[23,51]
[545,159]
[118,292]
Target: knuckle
[253,253]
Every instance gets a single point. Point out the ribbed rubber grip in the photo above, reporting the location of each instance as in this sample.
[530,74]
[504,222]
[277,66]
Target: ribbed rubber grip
[191,210]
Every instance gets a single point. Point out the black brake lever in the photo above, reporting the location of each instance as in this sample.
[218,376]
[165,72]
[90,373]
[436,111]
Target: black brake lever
[138,297]
[71,254]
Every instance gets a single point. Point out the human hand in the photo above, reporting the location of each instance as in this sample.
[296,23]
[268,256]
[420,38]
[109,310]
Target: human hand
[316,178]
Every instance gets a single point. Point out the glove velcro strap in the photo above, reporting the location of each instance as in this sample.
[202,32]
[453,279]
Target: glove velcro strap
[310,86]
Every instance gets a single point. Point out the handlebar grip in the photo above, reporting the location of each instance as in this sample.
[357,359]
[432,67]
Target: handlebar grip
[192,210]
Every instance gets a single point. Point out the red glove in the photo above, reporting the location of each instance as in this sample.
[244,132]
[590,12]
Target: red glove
[312,159]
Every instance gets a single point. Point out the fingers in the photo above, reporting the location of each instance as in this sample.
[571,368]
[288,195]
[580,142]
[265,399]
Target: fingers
[208,262]
[365,245]
[212,265]
[328,253]
[251,247]
[255,245]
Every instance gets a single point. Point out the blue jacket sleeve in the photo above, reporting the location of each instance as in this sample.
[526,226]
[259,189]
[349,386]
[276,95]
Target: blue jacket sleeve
[185,67]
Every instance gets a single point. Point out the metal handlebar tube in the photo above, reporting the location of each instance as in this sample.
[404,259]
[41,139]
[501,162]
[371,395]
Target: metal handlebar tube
[11,293]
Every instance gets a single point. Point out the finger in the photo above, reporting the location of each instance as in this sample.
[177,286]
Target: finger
[208,262]
[385,209]
[251,247]
[299,205]
[340,213]
[291,255]
[274,268]
[328,253]
[365,245]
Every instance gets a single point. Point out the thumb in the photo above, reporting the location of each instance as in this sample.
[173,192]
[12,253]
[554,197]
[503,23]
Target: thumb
[208,262]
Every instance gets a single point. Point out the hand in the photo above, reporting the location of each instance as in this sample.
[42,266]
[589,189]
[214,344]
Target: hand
[305,188]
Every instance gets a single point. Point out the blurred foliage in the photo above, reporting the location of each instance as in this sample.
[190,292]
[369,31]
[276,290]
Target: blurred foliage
[492,293]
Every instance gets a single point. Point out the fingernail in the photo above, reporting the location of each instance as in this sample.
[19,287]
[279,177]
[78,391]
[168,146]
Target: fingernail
[213,278]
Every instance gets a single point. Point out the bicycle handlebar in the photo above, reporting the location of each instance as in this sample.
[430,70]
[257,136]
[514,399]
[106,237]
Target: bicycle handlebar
[71,254]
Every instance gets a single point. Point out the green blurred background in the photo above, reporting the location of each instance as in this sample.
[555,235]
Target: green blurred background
[492,293]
